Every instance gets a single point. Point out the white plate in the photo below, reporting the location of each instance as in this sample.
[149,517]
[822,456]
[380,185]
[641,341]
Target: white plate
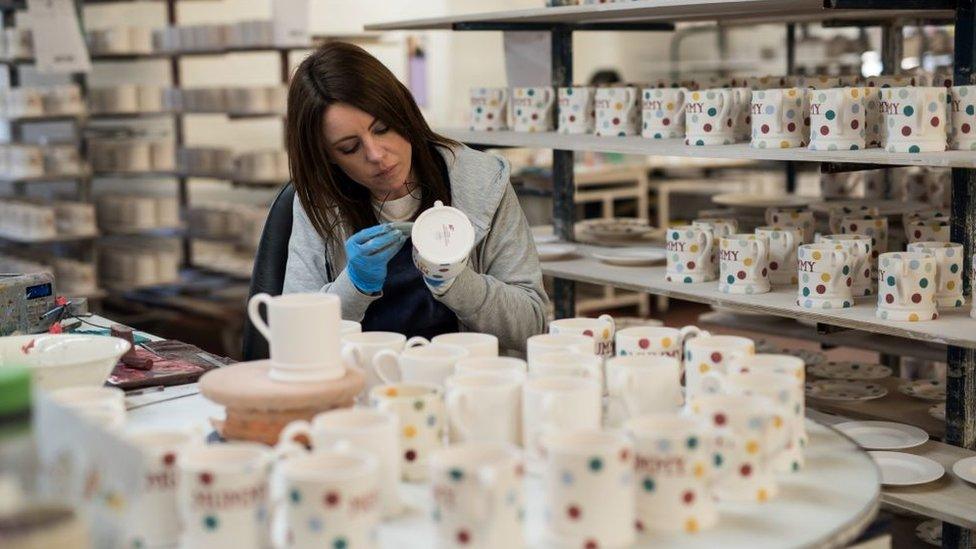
[745,200]
[883,435]
[901,469]
[631,256]
[545,238]
[938,411]
[850,370]
[965,469]
[925,389]
[844,390]
[552,252]
[617,227]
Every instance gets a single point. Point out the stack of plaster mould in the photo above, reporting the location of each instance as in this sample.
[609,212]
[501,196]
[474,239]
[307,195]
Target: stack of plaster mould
[132,212]
[125,263]
[72,277]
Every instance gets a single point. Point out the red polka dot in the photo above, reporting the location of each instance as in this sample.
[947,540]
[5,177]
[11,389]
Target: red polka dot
[410,455]
[765,128]
[745,470]
[666,121]
[728,122]
[791,127]
[169,459]
[741,275]
[688,497]
[331,499]
[588,333]
[916,298]
[890,298]
[906,131]
[535,116]
[764,272]
[572,118]
[774,265]
[490,116]
[463,537]
[591,544]
[821,288]
[624,454]
[806,121]
[643,343]
[748,119]
[716,357]
[918,234]
[965,128]
[719,419]
[691,264]
[853,227]
[850,281]
[855,124]
[616,121]
[574,512]
[638,525]
[867,273]
[824,130]
[206,478]
[935,121]
[707,127]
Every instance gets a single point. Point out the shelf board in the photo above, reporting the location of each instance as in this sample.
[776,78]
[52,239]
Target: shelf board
[152,231]
[259,182]
[44,118]
[670,11]
[123,115]
[46,178]
[111,57]
[952,328]
[676,147]
[49,240]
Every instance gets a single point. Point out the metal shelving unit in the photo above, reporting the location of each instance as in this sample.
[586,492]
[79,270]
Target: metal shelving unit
[958,333]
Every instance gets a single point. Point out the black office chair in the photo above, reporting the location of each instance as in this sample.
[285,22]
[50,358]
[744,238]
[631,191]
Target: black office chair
[268,275]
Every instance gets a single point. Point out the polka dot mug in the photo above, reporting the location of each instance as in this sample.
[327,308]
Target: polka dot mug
[552,404]
[826,277]
[489,109]
[744,264]
[663,113]
[423,422]
[792,217]
[776,364]
[907,284]
[532,109]
[778,119]
[962,113]
[678,460]
[710,117]
[933,230]
[601,329]
[863,264]
[577,114]
[477,495]
[711,353]
[655,340]
[783,243]
[836,215]
[838,119]
[689,253]
[914,119]
[588,488]
[617,111]
[874,227]
[720,226]
[949,271]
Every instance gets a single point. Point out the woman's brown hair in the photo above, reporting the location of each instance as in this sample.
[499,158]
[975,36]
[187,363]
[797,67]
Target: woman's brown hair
[343,72]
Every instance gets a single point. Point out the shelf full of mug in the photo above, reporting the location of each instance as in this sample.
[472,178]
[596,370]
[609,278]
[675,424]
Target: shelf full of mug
[726,12]
[29,163]
[954,326]
[880,120]
[139,101]
[150,158]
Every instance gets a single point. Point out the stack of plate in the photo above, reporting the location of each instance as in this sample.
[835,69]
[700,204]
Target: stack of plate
[617,231]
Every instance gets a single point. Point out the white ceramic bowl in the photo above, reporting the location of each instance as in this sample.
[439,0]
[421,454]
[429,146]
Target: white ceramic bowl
[63,360]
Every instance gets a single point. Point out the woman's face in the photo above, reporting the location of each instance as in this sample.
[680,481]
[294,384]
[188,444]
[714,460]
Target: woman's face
[370,153]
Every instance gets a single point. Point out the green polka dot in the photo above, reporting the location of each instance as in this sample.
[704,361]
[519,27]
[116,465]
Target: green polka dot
[210,522]
[418,405]
[909,110]
[340,543]
[891,280]
[914,149]
[831,115]
[924,283]
[596,465]
[648,484]
[712,111]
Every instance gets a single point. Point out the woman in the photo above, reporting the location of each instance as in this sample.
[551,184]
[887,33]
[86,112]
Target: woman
[362,157]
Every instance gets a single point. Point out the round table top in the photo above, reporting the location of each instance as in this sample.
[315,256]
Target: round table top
[246,385]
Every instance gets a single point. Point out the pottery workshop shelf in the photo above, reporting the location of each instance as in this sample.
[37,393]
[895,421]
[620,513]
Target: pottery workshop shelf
[662,11]
[677,148]
[952,328]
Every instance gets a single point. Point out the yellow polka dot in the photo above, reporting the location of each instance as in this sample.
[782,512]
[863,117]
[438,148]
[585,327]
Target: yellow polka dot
[696,408]
[698,470]
[391,392]
[691,526]
[665,342]
[825,277]
[777,422]
[762,495]
[670,106]
[913,317]
[693,248]
[493,103]
[793,280]
[606,333]
[409,431]
[618,106]
[950,285]
[703,368]
[747,261]
[791,93]
[752,447]
[855,93]
[784,144]
[695,96]
[817,256]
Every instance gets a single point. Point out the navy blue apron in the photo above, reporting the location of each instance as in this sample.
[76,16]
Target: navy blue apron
[407,306]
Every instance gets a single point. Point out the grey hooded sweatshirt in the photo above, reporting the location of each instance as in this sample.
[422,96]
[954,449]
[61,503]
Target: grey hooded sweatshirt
[500,292]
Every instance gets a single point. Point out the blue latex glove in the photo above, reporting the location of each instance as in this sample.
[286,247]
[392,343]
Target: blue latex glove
[368,252]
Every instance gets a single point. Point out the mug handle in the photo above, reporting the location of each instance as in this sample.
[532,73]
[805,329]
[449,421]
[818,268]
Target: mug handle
[706,246]
[613,325]
[416,341]
[682,99]
[352,358]
[790,238]
[292,430]
[386,364]
[726,95]
[689,332]
[761,250]
[488,480]
[253,312]
[841,258]
[458,409]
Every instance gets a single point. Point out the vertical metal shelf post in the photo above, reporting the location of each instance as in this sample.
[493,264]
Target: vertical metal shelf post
[961,371]
[563,184]
[183,190]
[790,71]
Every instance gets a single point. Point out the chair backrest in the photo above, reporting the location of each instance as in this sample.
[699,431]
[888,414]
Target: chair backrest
[268,275]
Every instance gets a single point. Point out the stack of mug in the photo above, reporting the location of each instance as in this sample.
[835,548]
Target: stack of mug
[34,101]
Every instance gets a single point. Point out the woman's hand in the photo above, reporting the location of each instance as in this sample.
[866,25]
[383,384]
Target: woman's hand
[368,252]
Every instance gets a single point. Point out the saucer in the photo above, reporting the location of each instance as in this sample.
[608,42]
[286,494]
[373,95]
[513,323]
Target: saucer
[883,435]
[850,370]
[552,252]
[965,469]
[631,257]
[901,469]
[925,389]
[844,390]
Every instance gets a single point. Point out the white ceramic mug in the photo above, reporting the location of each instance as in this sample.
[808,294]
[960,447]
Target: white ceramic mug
[477,493]
[836,215]
[617,111]
[949,271]
[303,335]
[962,113]
[330,499]
[359,349]
[689,252]
[914,119]
[442,239]
[720,226]
[222,495]
[588,489]
[783,243]
[376,432]
[485,407]
[644,384]
[838,119]
[778,118]
[675,466]
[425,363]
[711,353]
[793,217]
[826,277]
[601,329]
[496,365]
[532,108]
[862,263]
[874,227]
[556,403]
[761,434]
[743,264]
[568,362]
[477,344]
[710,117]
[655,340]
[663,113]
[936,230]
[907,285]
[541,344]
[489,109]
[154,517]
[577,115]
[420,407]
